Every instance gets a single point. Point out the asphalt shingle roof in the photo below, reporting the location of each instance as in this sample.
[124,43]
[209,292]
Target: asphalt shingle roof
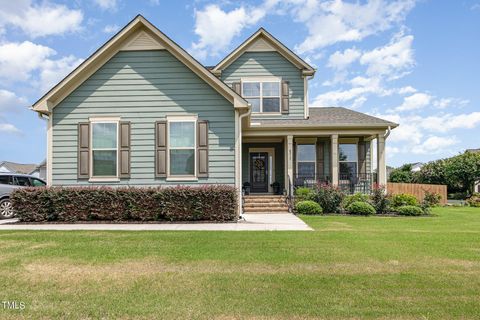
[330,116]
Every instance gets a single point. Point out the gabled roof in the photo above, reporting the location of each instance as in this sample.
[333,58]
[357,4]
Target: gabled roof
[137,34]
[264,41]
[18,167]
[330,117]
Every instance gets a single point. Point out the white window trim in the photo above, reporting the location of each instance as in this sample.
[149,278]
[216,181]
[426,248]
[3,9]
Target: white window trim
[347,141]
[298,161]
[182,118]
[114,178]
[260,97]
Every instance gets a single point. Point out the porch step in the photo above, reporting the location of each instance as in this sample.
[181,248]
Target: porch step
[265,203]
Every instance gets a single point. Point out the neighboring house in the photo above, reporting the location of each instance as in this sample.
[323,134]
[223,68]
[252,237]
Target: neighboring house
[40,170]
[476,187]
[142,112]
[417,166]
[12,167]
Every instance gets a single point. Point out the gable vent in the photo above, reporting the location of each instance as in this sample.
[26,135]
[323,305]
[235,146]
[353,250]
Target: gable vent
[260,45]
[143,41]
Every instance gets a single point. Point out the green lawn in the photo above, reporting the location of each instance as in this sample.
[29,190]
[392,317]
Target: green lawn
[349,268]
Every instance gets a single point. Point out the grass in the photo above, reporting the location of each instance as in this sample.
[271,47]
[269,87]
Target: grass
[349,268]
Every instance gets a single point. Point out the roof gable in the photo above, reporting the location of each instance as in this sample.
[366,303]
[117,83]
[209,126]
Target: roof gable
[264,41]
[139,34]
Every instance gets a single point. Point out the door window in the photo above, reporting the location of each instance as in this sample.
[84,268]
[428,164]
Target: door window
[4,179]
[37,182]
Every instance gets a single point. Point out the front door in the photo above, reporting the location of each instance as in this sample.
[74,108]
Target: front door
[259,171]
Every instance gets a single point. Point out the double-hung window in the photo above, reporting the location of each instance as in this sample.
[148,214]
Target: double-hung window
[264,95]
[104,148]
[182,146]
[306,155]
[348,158]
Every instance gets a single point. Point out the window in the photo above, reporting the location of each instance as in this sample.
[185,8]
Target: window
[182,144]
[263,95]
[104,149]
[348,158]
[22,181]
[37,182]
[5,179]
[306,155]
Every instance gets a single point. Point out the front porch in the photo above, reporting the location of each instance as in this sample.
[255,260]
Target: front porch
[282,163]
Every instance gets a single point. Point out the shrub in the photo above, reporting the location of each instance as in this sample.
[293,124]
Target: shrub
[357,197]
[474,200]
[361,208]
[380,200]
[329,198]
[215,203]
[409,211]
[432,199]
[303,193]
[403,199]
[308,207]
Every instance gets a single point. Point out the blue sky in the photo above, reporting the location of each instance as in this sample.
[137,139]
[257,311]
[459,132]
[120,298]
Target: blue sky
[413,62]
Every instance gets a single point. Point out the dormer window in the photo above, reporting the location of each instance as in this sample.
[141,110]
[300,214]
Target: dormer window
[264,95]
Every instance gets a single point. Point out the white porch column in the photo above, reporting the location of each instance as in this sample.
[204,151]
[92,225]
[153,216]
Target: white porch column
[290,158]
[334,151]
[381,163]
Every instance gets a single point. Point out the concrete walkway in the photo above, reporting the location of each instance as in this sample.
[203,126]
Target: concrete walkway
[251,222]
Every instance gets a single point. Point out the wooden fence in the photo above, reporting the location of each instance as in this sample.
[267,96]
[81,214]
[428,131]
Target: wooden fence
[418,190]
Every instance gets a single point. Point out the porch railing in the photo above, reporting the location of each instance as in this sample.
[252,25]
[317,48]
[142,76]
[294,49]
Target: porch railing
[348,183]
[357,183]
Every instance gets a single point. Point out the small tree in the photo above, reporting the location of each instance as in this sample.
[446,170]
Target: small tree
[464,169]
[403,174]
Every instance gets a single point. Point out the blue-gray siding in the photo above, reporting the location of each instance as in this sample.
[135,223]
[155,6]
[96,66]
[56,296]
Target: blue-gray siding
[258,64]
[143,87]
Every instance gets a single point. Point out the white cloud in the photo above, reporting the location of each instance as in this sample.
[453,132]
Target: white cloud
[18,60]
[111,28]
[415,101]
[40,20]
[9,128]
[448,122]
[10,102]
[391,60]
[216,27]
[329,22]
[340,60]
[28,61]
[106,4]
[434,145]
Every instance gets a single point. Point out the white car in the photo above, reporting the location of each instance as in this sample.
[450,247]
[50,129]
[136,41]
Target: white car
[10,182]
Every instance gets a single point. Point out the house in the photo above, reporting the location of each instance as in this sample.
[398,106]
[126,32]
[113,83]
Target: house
[12,167]
[141,111]
[417,166]
[40,170]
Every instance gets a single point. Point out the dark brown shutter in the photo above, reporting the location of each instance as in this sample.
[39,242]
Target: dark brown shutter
[285,97]
[202,149]
[320,162]
[83,150]
[161,141]
[362,156]
[124,163]
[237,87]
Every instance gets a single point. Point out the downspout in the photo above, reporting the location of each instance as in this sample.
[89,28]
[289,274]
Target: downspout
[240,192]
[389,130]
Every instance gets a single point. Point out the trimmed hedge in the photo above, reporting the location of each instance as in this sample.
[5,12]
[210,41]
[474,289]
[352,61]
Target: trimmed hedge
[182,203]
[410,211]
[308,207]
[403,199]
[361,208]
